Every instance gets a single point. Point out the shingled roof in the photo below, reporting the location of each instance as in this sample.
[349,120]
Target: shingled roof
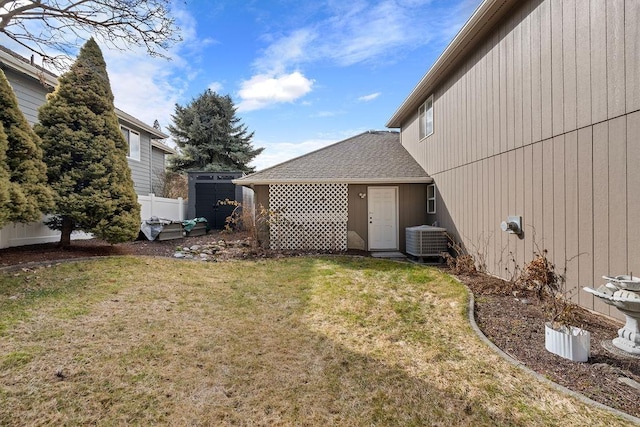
[371,157]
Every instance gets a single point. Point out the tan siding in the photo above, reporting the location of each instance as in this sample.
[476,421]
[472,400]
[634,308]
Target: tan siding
[536,81]
[412,202]
[526,77]
[633,193]
[483,107]
[535,125]
[519,203]
[558,203]
[528,212]
[601,206]
[502,85]
[358,214]
[571,211]
[496,98]
[493,244]
[547,196]
[510,91]
[538,195]
[598,61]
[546,83]
[632,54]
[557,68]
[518,82]
[585,215]
[618,196]
[583,66]
[491,104]
[569,64]
[503,167]
[615,59]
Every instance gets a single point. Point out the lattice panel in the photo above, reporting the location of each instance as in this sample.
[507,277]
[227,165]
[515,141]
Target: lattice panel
[309,216]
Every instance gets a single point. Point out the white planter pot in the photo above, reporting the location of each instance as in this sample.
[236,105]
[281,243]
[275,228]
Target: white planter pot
[571,343]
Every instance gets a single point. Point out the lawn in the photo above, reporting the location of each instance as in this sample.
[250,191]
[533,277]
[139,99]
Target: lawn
[299,341]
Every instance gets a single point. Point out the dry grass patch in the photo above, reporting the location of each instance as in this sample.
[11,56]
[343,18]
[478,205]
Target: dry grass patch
[305,341]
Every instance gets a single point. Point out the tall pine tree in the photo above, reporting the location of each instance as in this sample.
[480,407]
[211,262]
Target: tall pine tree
[210,136]
[86,154]
[29,194]
[4,179]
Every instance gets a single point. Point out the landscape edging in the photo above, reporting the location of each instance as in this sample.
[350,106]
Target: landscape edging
[520,365]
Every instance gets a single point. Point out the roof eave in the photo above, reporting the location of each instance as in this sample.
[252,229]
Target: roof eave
[488,13]
[155,133]
[407,180]
[28,69]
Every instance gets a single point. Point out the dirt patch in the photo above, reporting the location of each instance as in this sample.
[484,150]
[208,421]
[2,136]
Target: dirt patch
[514,323]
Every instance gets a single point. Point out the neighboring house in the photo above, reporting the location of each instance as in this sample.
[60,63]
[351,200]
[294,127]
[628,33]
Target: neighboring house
[359,193]
[147,152]
[146,158]
[533,110]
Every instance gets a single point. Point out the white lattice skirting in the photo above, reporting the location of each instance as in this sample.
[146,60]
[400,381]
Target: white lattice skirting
[309,216]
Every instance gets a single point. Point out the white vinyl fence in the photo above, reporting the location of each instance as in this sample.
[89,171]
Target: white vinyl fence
[161,207]
[36,232]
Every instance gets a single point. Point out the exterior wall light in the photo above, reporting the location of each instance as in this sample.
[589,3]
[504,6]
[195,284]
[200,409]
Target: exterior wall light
[512,225]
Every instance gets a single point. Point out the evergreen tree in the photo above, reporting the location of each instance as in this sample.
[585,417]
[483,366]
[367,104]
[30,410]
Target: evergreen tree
[29,194]
[4,179]
[210,136]
[86,154]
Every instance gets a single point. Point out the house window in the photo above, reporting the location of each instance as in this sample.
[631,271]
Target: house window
[431,198]
[133,139]
[425,118]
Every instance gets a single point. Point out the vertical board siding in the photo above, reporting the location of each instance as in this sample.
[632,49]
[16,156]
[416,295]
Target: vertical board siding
[633,193]
[618,225]
[615,59]
[542,120]
[583,66]
[601,206]
[632,54]
[569,64]
[557,68]
[598,13]
[518,82]
[559,199]
[546,83]
[526,78]
[571,213]
[585,215]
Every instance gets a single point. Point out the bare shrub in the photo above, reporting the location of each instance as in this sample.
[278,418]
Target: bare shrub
[461,262]
[256,225]
[171,185]
[540,278]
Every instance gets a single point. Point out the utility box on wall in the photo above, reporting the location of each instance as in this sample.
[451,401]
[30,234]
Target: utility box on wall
[206,189]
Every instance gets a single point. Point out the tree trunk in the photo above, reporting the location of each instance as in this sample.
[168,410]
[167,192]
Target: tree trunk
[67,228]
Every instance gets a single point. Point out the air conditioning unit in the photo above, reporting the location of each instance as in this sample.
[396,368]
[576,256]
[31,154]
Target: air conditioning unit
[426,241]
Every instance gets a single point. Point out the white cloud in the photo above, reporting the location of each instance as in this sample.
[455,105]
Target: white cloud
[286,51]
[215,86]
[263,90]
[370,97]
[354,32]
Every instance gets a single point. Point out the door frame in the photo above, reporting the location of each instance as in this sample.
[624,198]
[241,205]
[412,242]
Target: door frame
[397,222]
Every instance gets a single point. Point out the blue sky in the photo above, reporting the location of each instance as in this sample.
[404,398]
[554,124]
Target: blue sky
[303,74]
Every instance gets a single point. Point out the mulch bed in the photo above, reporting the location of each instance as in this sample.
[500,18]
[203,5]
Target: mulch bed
[515,326]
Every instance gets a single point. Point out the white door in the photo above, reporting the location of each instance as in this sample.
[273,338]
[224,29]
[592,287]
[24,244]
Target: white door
[383,218]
